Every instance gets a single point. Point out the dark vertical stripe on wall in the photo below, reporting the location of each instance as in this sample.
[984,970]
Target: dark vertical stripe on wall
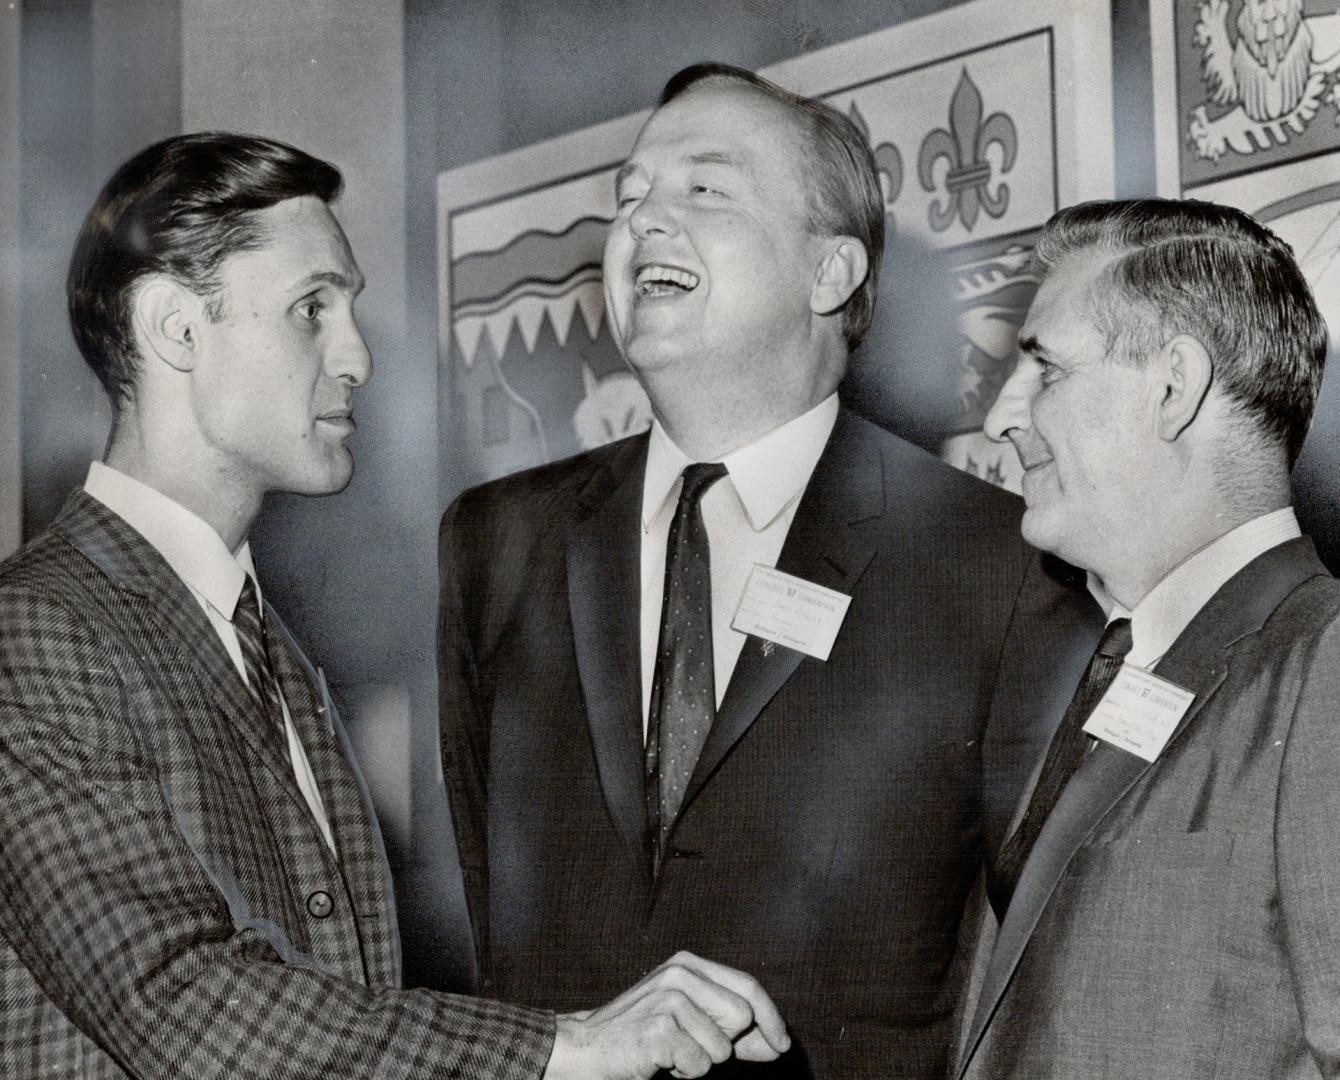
[1132,99]
[457,55]
[11,277]
[100,81]
[59,396]
[137,70]
[434,927]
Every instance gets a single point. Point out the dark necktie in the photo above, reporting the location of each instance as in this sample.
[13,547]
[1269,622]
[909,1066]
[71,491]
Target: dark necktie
[683,689]
[261,652]
[249,625]
[1064,755]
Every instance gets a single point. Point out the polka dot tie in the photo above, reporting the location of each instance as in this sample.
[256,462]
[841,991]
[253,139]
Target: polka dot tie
[683,690]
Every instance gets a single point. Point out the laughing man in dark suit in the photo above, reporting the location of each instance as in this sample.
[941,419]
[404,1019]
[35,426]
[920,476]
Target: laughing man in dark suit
[1169,896]
[647,747]
[192,883]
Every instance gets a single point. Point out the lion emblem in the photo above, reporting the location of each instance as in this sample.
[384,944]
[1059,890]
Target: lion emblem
[1269,73]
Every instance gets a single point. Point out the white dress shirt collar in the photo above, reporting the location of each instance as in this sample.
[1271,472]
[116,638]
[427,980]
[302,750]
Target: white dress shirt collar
[768,474]
[1168,608]
[196,553]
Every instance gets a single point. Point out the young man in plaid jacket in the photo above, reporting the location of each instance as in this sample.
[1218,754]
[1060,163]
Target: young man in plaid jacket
[191,879]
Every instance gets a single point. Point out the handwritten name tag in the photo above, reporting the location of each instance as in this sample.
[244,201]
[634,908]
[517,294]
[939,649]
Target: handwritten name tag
[1139,712]
[791,611]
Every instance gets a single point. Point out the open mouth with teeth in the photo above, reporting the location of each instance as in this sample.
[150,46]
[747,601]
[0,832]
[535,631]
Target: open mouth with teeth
[658,280]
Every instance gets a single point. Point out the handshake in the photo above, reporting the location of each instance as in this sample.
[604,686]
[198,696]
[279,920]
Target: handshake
[686,1016]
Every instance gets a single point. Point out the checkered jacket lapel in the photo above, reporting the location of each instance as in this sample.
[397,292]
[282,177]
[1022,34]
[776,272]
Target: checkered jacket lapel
[135,565]
[352,827]
[130,561]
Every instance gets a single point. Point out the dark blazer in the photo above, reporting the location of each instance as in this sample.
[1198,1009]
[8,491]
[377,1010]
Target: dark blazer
[168,907]
[1181,919]
[835,822]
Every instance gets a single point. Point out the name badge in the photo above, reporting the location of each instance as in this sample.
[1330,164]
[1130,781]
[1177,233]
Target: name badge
[1139,712]
[790,611]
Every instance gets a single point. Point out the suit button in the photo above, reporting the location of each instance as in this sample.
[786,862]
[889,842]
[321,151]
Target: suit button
[319,904]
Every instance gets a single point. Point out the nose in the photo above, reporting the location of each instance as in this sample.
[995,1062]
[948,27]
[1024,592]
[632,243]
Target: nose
[652,216]
[349,358]
[1014,404]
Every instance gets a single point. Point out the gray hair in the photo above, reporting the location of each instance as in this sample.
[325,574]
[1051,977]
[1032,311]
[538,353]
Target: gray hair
[1216,274]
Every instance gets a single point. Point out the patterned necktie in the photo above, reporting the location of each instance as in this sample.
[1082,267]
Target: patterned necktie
[249,625]
[264,656]
[1063,757]
[683,690]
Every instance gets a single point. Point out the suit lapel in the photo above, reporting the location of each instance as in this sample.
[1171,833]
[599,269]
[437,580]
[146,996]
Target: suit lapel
[605,601]
[184,631]
[348,805]
[827,544]
[1056,622]
[339,794]
[1198,660]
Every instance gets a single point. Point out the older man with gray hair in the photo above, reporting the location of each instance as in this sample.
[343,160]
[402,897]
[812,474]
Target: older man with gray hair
[1168,897]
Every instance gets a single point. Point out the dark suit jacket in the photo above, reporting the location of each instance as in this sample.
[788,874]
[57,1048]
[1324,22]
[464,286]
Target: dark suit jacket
[1182,919]
[168,907]
[834,824]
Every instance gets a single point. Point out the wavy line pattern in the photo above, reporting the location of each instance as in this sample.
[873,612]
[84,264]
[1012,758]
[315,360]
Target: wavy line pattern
[535,255]
[527,287]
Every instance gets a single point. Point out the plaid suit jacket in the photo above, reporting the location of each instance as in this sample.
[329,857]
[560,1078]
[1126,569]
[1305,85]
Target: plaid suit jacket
[168,907]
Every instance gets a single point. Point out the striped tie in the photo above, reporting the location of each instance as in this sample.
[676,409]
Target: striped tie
[249,625]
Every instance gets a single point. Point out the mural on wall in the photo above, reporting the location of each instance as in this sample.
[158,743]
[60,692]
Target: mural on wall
[1247,95]
[533,365]
[974,117]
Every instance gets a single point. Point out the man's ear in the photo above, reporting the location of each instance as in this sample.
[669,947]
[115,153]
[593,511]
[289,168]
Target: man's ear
[1186,371]
[166,317]
[841,273]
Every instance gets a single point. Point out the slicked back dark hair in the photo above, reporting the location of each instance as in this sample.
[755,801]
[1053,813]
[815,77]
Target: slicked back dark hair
[1216,274]
[178,208]
[844,192]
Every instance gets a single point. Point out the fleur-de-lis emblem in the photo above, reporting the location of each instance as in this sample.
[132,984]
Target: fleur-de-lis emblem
[964,147]
[888,162]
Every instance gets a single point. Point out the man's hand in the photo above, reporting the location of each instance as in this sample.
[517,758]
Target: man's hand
[685,1016]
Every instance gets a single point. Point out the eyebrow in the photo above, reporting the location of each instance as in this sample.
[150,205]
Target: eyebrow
[704,157]
[625,171]
[1032,346]
[332,277]
[715,157]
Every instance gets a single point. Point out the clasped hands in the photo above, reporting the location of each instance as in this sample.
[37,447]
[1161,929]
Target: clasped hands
[686,1016]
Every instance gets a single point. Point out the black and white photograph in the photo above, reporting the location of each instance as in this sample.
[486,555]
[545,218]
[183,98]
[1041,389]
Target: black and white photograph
[759,539]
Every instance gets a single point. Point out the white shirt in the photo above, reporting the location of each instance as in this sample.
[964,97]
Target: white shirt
[1168,608]
[198,555]
[747,515]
